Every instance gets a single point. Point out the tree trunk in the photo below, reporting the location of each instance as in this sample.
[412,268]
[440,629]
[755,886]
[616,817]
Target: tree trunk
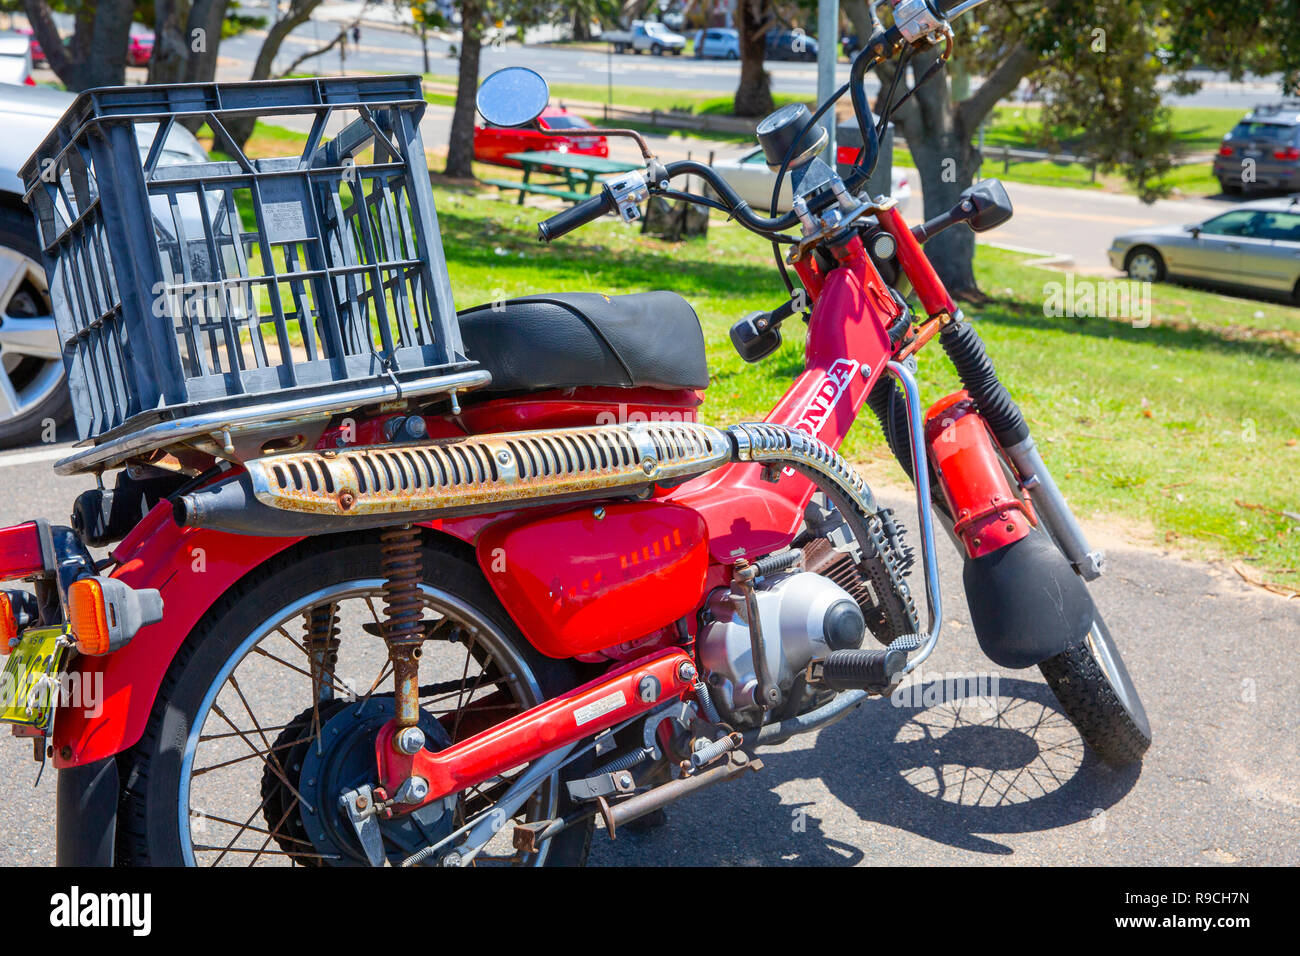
[424,48]
[947,165]
[581,24]
[96,55]
[754,94]
[460,147]
[940,143]
[186,39]
[299,12]
[939,123]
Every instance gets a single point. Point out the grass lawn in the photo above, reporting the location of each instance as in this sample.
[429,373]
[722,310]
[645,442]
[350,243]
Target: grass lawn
[682,101]
[1188,430]
[1166,427]
[1198,130]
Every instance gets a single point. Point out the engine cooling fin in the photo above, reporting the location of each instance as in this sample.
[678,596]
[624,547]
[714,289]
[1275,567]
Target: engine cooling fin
[492,470]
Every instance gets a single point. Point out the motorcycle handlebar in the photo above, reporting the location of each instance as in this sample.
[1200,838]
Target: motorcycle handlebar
[875,49]
[570,219]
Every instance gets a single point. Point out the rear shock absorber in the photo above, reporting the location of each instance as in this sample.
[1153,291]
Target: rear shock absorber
[321,642]
[403,610]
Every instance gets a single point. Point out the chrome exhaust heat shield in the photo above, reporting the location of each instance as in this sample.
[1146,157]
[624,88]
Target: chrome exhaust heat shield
[316,492]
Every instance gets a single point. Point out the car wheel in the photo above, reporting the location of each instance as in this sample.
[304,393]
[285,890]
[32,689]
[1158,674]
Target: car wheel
[32,389]
[733,55]
[1145,265]
[657,50]
[1229,187]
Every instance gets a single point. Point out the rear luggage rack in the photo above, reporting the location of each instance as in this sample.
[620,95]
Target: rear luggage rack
[200,297]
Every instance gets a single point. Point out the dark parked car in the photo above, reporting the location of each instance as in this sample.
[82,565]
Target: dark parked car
[1262,151]
[790,45]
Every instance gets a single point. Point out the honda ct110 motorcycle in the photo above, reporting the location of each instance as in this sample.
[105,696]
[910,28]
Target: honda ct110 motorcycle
[383,589]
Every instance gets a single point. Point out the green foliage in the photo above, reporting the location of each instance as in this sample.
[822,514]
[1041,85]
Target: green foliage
[1100,66]
[1187,428]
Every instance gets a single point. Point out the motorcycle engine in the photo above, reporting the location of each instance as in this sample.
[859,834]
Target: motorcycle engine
[803,616]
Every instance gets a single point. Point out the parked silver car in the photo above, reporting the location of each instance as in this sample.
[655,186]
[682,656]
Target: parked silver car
[31,363]
[1253,246]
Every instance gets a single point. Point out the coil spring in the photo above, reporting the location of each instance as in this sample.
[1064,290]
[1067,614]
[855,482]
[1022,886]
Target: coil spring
[623,761]
[403,604]
[321,641]
[322,627]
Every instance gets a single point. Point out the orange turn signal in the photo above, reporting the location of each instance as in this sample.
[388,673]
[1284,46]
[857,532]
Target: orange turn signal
[88,616]
[8,624]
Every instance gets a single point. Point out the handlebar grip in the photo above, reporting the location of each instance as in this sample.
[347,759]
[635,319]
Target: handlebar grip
[584,212]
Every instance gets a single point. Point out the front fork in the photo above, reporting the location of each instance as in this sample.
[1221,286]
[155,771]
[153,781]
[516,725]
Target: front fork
[1056,514]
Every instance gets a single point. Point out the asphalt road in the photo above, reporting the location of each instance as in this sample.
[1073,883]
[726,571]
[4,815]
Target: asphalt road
[1075,226]
[944,780]
[391,50]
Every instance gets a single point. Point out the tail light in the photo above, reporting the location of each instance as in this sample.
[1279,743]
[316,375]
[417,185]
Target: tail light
[104,613]
[1225,150]
[29,81]
[8,625]
[18,611]
[1291,152]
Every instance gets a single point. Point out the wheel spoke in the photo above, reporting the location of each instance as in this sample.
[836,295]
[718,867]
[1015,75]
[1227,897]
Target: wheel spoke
[266,680]
[273,765]
[262,652]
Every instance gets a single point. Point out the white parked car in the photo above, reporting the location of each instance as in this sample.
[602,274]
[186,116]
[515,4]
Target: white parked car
[16,58]
[31,355]
[646,36]
[750,176]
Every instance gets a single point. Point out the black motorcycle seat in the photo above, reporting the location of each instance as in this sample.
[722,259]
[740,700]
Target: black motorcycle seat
[572,339]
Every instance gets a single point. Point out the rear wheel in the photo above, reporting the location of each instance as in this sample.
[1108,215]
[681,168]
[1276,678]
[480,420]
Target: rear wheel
[264,720]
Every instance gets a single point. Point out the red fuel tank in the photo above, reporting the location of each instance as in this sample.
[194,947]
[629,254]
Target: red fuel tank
[595,576]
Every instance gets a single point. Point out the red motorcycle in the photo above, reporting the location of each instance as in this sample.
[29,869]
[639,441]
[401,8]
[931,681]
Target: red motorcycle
[456,616]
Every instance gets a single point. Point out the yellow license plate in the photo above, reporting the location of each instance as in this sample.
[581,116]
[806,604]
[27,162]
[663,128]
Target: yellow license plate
[29,687]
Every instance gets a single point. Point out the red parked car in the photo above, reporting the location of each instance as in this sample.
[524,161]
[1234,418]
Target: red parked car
[140,49]
[38,55]
[493,143]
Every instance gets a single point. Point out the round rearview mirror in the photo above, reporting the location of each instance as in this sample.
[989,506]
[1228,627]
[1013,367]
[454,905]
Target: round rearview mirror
[514,96]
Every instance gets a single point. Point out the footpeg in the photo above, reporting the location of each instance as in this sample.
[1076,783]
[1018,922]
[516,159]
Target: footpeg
[871,670]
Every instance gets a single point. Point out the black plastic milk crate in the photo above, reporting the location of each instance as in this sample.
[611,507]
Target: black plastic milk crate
[181,286]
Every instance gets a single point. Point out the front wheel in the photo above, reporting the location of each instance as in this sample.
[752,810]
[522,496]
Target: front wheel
[1097,694]
[269,711]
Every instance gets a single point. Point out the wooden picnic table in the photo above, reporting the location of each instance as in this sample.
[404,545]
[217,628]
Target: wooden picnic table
[578,173]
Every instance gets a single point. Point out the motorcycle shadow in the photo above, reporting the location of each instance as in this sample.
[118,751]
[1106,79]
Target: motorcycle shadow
[953,764]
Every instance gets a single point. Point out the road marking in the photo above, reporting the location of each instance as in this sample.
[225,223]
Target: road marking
[29,457]
[1031,212]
